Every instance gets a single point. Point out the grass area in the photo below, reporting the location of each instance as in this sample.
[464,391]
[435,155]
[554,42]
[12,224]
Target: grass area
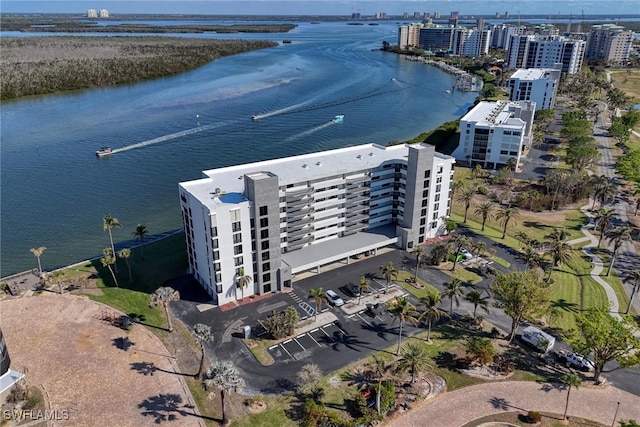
[628,81]
[461,273]
[275,415]
[419,293]
[260,350]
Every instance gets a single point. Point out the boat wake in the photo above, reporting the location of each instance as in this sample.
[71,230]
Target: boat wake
[280,111]
[310,131]
[171,136]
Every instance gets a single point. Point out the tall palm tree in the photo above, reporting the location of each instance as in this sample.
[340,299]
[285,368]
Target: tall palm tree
[559,249]
[38,253]
[163,296]
[242,281]
[533,197]
[125,254]
[455,186]
[597,182]
[202,334]
[108,223]
[476,298]
[570,380]
[617,236]
[318,296]
[478,247]
[531,258]
[466,197]
[140,234]
[607,192]
[389,273]
[459,242]
[419,253]
[402,311]
[522,238]
[505,214]
[432,311]
[108,260]
[381,371]
[225,377]
[634,276]
[453,290]
[603,221]
[415,358]
[483,210]
[363,286]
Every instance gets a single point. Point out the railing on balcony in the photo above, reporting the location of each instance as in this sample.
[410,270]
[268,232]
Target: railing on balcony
[298,192]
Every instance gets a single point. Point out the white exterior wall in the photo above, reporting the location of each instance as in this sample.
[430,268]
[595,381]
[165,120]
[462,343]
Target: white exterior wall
[537,85]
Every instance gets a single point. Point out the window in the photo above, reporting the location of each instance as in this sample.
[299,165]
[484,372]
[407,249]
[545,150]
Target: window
[263,210]
[438,188]
[266,288]
[235,226]
[421,230]
[265,256]
[237,250]
[237,238]
[218,289]
[266,277]
[425,194]
[266,266]
[423,221]
[264,245]
[238,261]
[423,212]
[504,152]
[436,207]
[425,203]
[218,277]
[438,180]
[435,216]
[264,222]
[426,183]
[216,255]
[214,244]
[427,174]
[440,169]
[434,224]
[437,198]
[214,231]
[264,234]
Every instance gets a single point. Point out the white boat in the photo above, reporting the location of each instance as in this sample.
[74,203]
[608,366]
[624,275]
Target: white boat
[339,118]
[104,151]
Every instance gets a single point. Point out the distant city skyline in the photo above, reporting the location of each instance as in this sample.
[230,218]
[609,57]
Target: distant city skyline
[325,7]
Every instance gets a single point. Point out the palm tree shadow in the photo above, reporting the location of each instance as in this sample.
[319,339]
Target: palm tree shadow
[123,343]
[167,407]
[379,328]
[563,304]
[502,403]
[149,368]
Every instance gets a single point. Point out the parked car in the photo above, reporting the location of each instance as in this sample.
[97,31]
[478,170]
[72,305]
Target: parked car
[466,254]
[575,360]
[352,290]
[333,298]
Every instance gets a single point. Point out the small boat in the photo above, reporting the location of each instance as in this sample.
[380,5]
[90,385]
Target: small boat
[339,118]
[448,91]
[286,41]
[254,117]
[104,151]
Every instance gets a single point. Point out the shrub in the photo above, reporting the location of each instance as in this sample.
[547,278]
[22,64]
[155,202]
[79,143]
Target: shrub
[534,417]
[494,333]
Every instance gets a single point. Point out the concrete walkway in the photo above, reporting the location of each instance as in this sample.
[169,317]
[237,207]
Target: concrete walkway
[457,408]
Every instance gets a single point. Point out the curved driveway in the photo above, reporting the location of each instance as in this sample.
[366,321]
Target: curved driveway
[457,408]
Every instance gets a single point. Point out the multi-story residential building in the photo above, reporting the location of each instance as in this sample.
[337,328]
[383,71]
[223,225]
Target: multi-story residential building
[272,219]
[92,13]
[455,40]
[436,37]
[104,13]
[501,35]
[494,132]
[544,51]
[539,85]
[610,43]
[409,35]
[471,42]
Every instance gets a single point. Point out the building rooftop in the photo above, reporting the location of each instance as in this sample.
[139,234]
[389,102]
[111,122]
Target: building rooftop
[496,113]
[530,73]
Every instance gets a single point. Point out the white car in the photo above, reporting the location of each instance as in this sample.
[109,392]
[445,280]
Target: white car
[466,254]
[333,298]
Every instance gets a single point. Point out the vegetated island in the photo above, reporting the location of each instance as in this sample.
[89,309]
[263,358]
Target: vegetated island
[42,65]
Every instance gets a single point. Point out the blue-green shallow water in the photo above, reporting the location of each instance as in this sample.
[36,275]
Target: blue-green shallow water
[54,191]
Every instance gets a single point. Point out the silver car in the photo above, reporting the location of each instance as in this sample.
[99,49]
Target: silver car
[333,298]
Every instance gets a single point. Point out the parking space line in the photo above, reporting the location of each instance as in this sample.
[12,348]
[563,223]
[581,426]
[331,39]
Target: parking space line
[273,346]
[285,350]
[328,336]
[298,342]
[314,340]
[340,328]
[362,318]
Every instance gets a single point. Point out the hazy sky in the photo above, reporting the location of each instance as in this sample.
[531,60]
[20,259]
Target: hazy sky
[325,7]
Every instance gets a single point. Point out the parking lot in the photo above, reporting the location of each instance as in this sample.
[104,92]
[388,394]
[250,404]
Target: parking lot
[301,346]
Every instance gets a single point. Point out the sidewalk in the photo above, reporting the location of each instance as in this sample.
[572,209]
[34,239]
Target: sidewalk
[456,408]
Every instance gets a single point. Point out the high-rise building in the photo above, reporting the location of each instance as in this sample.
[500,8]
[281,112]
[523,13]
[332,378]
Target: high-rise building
[104,13]
[610,43]
[92,13]
[544,51]
[539,85]
[409,35]
[494,132]
[453,18]
[501,35]
[272,219]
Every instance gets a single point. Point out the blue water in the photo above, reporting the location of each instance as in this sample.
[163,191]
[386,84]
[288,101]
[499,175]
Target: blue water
[55,191]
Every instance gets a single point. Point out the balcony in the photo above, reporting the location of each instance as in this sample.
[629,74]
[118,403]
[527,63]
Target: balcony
[297,212]
[358,226]
[299,192]
[296,243]
[358,200]
[299,232]
[299,202]
[357,180]
[301,220]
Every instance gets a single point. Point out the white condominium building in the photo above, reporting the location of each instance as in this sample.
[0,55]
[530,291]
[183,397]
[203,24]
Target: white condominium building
[610,43]
[272,219]
[409,35]
[544,51]
[539,85]
[494,132]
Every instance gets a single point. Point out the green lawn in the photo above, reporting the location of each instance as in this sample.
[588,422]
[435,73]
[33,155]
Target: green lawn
[419,293]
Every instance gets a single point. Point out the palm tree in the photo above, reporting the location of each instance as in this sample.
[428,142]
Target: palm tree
[419,253]
[533,197]
[559,249]
[522,238]
[459,242]
[607,192]
[363,286]
[597,182]
[453,290]
[476,298]
[140,234]
[478,247]
[466,196]
[242,281]
[402,310]
[617,236]
[570,380]
[603,221]
[483,210]
[225,377]
[432,311]
[389,273]
[531,257]
[108,223]
[108,260]
[455,186]
[163,296]
[202,334]
[415,358]
[125,254]
[505,214]
[38,253]
[381,371]
[634,276]
[318,296]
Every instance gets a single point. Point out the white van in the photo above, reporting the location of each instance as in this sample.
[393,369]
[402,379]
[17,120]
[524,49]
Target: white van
[538,338]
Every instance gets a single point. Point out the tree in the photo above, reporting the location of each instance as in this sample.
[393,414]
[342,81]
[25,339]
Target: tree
[606,338]
[318,296]
[522,238]
[108,260]
[554,181]
[432,311]
[419,253]
[597,182]
[242,281]
[381,370]
[521,295]
[617,236]
[570,380]
[140,234]
[559,249]
[459,242]
[634,277]
[38,253]
[476,298]
[402,311]
[309,378]
[483,210]
[480,349]
[363,286]
[225,377]
[617,98]
[163,296]
[603,221]
[414,358]
[466,196]
[125,254]
[108,223]
[202,334]
[608,191]
[389,273]
[478,247]
[453,290]
[505,214]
